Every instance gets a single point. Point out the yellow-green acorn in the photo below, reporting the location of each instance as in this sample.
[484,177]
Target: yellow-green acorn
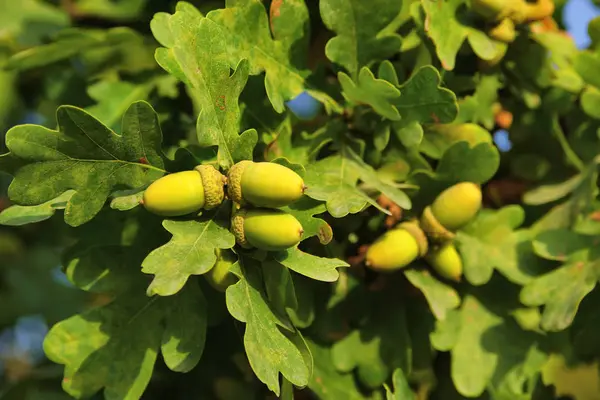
[446,261]
[451,210]
[457,205]
[397,248]
[266,229]
[185,192]
[505,31]
[496,10]
[219,276]
[264,184]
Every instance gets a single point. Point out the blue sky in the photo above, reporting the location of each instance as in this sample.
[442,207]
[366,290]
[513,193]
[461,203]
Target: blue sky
[577,15]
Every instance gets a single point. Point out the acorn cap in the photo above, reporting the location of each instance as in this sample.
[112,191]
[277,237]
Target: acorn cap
[433,229]
[234,181]
[415,230]
[237,228]
[213,182]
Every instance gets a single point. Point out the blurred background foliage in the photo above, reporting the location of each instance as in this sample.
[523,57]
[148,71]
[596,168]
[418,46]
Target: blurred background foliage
[96,54]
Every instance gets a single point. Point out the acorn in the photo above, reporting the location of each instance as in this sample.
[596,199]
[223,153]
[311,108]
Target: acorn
[538,10]
[504,31]
[185,192]
[451,210]
[446,261]
[497,10]
[397,248]
[266,229]
[219,276]
[264,184]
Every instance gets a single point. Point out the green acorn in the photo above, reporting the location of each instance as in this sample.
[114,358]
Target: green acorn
[185,192]
[451,210]
[397,248]
[264,184]
[497,10]
[219,276]
[505,31]
[446,261]
[266,229]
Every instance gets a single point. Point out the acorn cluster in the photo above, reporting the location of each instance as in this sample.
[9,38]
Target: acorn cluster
[257,189]
[504,15]
[431,237]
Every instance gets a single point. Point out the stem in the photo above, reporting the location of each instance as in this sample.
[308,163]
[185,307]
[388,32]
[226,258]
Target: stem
[571,155]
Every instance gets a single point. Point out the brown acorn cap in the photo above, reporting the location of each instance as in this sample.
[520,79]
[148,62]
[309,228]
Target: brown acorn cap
[237,228]
[214,183]
[415,230]
[433,229]
[234,180]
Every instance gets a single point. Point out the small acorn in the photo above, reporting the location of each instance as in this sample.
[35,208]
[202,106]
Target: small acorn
[497,10]
[266,229]
[446,261]
[451,210]
[539,10]
[182,193]
[397,248]
[264,184]
[504,31]
[219,276]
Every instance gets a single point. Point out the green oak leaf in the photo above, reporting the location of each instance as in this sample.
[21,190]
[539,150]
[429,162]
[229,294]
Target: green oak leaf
[377,93]
[461,162]
[493,241]
[447,24]
[361,31]
[16,20]
[290,25]
[305,210]
[590,101]
[280,289]
[318,268]
[254,43]
[195,51]
[424,100]
[561,290]
[328,383]
[191,251]
[401,389]
[439,137]
[585,63]
[488,349]
[301,148]
[95,344]
[441,297]
[120,11]
[77,41]
[125,200]
[381,345]
[21,215]
[478,107]
[113,97]
[85,156]
[304,314]
[551,192]
[111,248]
[269,351]
[334,180]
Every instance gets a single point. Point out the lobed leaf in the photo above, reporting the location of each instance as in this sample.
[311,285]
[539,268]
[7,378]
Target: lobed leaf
[84,156]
